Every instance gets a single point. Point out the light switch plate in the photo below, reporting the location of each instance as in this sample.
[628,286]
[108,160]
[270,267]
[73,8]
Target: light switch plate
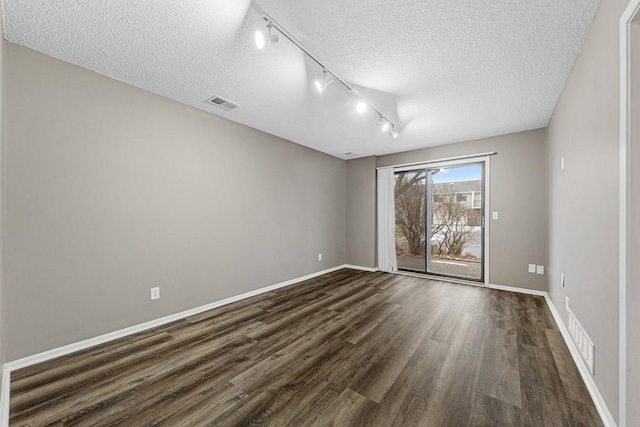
[540,269]
[495,215]
[532,268]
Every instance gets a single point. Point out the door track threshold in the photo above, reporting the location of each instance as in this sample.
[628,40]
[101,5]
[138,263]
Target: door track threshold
[441,278]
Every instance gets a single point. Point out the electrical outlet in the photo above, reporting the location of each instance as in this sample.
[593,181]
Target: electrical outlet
[319,257]
[532,268]
[495,215]
[562,280]
[540,269]
[155,293]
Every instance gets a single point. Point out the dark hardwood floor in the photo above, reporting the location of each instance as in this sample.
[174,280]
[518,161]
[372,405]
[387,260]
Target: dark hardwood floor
[349,348]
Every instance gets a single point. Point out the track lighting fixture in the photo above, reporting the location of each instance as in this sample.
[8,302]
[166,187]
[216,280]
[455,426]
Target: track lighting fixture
[393,133]
[384,124]
[326,80]
[265,38]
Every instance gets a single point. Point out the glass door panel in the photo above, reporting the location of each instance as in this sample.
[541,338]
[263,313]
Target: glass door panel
[455,221]
[410,206]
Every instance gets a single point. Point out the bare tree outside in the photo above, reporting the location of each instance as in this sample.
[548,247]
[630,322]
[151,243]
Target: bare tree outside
[410,210]
[453,222]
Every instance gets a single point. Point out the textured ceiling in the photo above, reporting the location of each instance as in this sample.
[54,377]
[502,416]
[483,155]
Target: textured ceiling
[444,70]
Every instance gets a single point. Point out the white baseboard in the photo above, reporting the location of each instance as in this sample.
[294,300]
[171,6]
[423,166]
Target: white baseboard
[518,290]
[81,345]
[594,392]
[601,406]
[357,267]
[599,402]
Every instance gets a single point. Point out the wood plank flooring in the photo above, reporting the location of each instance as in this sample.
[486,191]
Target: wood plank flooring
[349,348]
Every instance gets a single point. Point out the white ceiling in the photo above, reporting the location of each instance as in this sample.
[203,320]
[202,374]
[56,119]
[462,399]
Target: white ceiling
[444,70]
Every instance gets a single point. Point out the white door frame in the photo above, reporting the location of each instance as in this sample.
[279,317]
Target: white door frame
[627,18]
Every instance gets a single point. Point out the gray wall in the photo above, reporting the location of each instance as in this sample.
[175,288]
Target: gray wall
[112,190]
[518,193]
[361,212]
[583,198]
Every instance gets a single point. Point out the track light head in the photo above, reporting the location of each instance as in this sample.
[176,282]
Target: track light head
[384,124]
[326,80]
[264,38]
[273,36]
[361,107]
[393,133]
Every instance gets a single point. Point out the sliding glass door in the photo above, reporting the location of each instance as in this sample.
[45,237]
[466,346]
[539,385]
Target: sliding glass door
[440,221]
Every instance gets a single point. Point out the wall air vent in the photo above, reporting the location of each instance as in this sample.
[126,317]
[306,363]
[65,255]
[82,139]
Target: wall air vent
[221,103]
[582,341]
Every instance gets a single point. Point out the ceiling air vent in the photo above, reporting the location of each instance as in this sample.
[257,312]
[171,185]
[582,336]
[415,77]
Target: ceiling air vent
[351,154]
[221,103]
